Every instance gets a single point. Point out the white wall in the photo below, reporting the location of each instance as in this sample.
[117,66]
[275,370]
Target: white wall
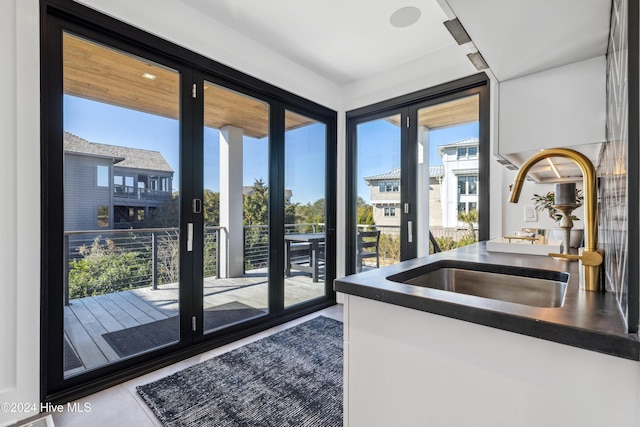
[513,213]
[20,215]
[441,67]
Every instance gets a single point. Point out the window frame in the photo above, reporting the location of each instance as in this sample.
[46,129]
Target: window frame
[407,105]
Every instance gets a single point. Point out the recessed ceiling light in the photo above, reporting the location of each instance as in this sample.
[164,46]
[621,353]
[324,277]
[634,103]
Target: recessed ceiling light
[149,76]
[405,17]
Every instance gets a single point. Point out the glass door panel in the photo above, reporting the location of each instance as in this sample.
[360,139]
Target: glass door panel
[447,171]
[304,208]
[121,205]
[378,218]
[235,207]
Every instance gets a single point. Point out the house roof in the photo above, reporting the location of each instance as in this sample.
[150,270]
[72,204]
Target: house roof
[466,141]
[434,171]
[125,157]
[392,174]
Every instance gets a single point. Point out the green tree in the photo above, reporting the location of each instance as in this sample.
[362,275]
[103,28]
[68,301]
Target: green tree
[364,212]
[470,218]
[256,204]
[211,208]
[164,216]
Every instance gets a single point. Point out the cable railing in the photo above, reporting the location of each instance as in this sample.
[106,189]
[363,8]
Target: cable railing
[105,261]
[256,242]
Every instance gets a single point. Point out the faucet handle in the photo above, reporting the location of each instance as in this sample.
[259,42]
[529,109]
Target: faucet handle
[590,258]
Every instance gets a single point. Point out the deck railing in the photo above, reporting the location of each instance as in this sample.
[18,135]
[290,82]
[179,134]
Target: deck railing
[103,261]
[130,192]
[256,242]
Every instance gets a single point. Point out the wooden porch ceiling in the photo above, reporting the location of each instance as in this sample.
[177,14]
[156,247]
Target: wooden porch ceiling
[102,74]
[452,113]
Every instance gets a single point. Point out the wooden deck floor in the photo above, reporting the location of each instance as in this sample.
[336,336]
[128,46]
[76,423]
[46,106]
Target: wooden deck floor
[87,319]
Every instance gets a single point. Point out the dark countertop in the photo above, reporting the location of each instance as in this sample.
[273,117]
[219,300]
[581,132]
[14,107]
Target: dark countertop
[587,320]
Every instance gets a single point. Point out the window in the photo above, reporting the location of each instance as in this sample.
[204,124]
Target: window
[103,216]
[103,176]
[467,153]
[389,186]
[468,184]
[462,185]
[472,186]
[166,137]
[467,206]
[389,211]
[425,157]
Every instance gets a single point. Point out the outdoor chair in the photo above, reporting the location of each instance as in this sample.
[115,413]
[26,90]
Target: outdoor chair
[368,246]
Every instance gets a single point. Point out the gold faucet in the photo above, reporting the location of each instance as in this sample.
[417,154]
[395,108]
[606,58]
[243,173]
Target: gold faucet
[591,257]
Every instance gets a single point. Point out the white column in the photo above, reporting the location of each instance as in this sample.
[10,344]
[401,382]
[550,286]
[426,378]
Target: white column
[231,206]
[422,218]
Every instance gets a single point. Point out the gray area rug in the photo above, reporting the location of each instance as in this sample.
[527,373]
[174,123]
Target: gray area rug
[291,378]
[141,338]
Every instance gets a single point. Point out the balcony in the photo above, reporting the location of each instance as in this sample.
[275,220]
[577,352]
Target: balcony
[142,290]
[125,192]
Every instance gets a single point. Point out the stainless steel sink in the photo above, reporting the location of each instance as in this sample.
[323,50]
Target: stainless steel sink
[528,286]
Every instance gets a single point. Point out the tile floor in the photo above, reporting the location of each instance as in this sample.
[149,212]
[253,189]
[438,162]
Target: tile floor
[121,406]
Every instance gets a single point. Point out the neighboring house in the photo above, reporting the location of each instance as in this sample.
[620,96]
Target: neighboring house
[460,183]
[385,196]
[453,188]
[109,187]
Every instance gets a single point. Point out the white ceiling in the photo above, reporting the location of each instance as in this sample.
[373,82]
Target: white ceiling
[350,40]
[341,40]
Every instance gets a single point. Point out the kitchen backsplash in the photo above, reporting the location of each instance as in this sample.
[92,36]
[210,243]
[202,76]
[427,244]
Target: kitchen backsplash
[612,168]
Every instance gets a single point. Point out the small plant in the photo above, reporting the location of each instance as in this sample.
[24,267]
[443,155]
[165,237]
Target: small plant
[546,201]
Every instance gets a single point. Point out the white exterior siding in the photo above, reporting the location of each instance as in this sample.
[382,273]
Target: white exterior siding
[455,167]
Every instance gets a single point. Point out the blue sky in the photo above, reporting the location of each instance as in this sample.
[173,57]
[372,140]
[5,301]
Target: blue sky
[378,152]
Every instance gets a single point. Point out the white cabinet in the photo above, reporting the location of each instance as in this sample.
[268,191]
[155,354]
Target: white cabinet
[407,368]
[559,107]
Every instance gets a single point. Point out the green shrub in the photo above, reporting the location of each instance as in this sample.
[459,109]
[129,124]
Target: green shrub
[104,269]
[389,247]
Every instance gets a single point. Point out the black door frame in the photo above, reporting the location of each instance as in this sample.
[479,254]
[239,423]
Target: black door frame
[59,15]
[407,106]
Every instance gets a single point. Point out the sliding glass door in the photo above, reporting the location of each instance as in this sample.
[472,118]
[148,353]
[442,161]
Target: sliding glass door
[379,205]
[305,208]
[418,175]
[121,160]
[171,194]
[449,191]
[235,207]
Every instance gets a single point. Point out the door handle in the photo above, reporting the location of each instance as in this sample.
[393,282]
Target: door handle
[410,231]
[189,237]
